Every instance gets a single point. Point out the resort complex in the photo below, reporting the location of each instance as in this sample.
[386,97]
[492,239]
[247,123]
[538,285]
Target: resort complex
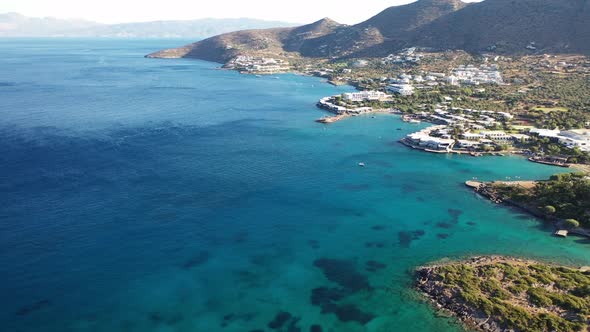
[258,65]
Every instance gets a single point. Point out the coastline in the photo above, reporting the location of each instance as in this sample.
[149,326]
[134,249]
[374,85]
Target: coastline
[484,189]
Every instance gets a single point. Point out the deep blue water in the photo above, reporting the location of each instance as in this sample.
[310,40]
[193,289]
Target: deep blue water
[167,195]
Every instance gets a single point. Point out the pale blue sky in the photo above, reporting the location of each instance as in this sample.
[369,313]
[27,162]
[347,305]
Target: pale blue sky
[115,11]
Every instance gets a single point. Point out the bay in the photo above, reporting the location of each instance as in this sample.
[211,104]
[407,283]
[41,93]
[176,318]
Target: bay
[168,195]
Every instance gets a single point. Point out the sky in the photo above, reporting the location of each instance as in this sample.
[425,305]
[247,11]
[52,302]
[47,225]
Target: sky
[119,11]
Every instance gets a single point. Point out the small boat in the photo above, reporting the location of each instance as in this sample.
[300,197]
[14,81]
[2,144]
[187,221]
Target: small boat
[258,76]
[414,121]
[362,165]
[398,129]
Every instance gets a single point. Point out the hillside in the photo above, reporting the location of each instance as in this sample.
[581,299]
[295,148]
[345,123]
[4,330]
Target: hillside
[504,26]
[509,26]
[331,40]
[271,42]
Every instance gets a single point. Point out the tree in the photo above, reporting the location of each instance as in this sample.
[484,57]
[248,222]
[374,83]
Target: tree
[571,223]
[549,209]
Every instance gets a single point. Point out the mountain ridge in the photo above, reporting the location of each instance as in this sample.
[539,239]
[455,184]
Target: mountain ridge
[504,26]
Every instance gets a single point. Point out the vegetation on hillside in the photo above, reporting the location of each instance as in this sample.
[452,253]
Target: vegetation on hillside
[564,196]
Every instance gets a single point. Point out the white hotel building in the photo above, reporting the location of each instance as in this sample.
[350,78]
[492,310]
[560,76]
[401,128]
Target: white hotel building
[402,89]
[365,95]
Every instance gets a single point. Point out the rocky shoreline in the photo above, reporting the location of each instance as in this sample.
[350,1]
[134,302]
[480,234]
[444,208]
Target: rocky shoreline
[432,282]
[449,302]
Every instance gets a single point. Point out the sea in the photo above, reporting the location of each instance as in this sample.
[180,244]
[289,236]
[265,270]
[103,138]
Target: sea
[161,195]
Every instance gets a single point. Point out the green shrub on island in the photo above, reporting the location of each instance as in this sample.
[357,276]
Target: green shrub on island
[565,196]
[571,223]
[549,209]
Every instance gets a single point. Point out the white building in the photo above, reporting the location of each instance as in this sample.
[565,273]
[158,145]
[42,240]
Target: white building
[423,140]
[496,135]
[575,139]
[472,136]
[365,95]
[402,89]
[520,137]
[545,132]
[468,144]
[471,75]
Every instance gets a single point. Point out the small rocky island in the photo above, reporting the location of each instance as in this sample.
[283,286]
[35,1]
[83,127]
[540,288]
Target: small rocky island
[495,293]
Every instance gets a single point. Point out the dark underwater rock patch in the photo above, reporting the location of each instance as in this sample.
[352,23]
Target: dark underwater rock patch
[327,299]
[343,272]
[350,281]
[455,214]
[158,318]
[378,227]
[229,318]
[199,259]
[408,188]
[406,238]
[28,309]
[374,244]
[292,326]
[471,223]
[315,328]
[280,319]
[285,321]
[314,244]
[349,312]
[373,266]
[442,236]
[444,225]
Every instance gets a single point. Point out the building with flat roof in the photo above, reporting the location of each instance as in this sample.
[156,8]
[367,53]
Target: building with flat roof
[401,89]
[364,96]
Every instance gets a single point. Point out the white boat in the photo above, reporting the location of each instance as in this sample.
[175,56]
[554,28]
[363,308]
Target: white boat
[362,164]
[414,121]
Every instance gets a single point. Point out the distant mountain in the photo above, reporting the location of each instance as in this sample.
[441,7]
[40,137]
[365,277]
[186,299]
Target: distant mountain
[505,26]
[177,29]
[16,25]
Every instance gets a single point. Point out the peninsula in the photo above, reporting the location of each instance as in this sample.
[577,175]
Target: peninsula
[563,200]
[492,294]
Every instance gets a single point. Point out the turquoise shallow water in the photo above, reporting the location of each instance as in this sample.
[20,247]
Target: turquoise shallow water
[167,195]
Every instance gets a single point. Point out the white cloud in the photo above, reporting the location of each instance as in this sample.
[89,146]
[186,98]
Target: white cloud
[114,11]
